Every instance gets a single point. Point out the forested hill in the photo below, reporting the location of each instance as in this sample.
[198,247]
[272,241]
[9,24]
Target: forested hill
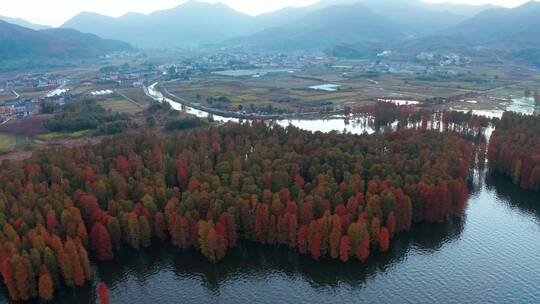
[509,28]
[17,42]
[326,27]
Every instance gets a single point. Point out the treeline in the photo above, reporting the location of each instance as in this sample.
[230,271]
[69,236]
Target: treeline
[466,124]
[514,149]
[88,115]
[183,124]
[327,195]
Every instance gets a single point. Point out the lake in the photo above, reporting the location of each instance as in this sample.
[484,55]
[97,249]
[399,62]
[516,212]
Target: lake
[491,255]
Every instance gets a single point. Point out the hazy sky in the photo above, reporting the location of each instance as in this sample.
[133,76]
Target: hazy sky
[56,12]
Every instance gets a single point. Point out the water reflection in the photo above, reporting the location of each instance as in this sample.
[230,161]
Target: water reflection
[164,272]
[524,200]
[183,272]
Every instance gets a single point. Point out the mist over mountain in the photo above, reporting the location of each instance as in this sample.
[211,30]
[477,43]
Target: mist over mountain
[413,25]
[465,10]
[190,24]
[413,17]
[24,23]
[18,42]
[325,27]
[498,28]
[502,27]
[193,23]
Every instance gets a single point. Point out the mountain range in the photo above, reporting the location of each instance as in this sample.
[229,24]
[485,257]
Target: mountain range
[193,23]
[500,28]
[404,25]
[17,42]
[24,23]
[515,28]
[326,27]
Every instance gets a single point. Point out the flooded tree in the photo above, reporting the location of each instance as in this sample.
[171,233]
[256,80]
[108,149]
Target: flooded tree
[330,196]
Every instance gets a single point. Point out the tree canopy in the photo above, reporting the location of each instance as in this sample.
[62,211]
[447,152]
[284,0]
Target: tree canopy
[330,195]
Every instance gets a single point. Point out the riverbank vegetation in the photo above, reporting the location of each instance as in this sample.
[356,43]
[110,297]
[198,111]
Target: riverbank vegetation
[88,115]
[329,195]
[514,149]
[184,124]
[465,124]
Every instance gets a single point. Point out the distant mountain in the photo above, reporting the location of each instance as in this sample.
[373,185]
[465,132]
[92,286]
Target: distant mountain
[466,10]
[194,23]
[24,23]
[413,17]
[17,42]
[360,50]
[508,28]
[530,55]
[190,24]
[279,17]
[435,43]
[326,27]
[500,29]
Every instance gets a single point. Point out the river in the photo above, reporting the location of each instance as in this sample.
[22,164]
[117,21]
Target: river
[491,255]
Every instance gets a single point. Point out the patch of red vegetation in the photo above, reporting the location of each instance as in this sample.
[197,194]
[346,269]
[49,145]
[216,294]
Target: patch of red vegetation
[53,144]
[29,126]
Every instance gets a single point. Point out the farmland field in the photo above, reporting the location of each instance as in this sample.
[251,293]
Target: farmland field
[10,142]
[120,104]
[6,95]
[135,94]
[55,135]
[7,142]
[480,88]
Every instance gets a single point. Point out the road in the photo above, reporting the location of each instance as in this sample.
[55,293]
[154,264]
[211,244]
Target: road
[163,92]
[507,86]
[6,121]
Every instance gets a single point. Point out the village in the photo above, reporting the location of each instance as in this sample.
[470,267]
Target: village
[302,82]
[26,95]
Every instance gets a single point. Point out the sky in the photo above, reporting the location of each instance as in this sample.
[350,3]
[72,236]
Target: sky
[56,12]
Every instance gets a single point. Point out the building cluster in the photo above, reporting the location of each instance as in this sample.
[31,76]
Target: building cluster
[19,105]
[18,108]
[125,76]
[443,59]
[242,61]
[33,82]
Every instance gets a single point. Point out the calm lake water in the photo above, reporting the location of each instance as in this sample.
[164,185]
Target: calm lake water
[491,255]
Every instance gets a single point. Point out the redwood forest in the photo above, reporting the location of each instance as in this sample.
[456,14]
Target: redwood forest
[514,149]
[326,195]
[286,151]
